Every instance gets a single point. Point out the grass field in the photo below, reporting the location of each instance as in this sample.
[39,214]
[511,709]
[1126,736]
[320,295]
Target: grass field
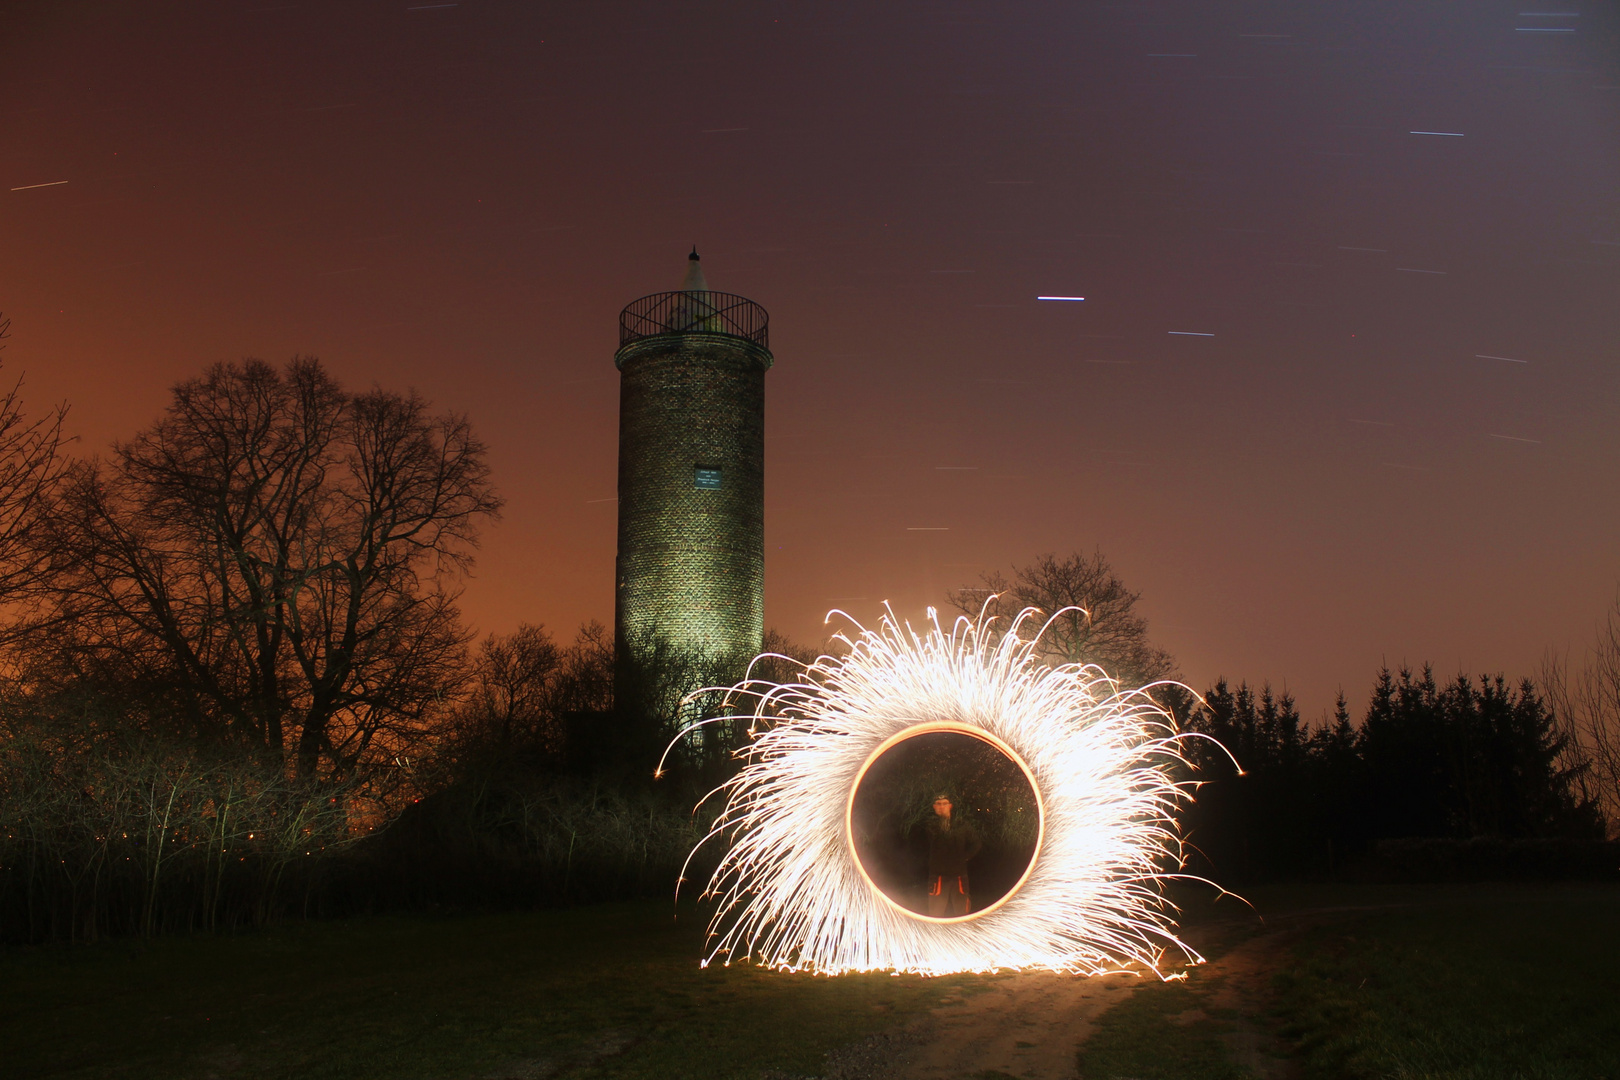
[470,996]
[1513,983]
[1441,983]
[1464,983]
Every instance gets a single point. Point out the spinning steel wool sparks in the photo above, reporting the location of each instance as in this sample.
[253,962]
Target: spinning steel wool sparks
[792,891]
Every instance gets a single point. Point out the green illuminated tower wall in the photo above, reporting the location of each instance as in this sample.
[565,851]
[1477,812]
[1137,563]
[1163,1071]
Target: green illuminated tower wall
[691,557]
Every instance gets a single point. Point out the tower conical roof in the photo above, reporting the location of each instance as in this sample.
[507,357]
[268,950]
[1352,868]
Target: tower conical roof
[694,274]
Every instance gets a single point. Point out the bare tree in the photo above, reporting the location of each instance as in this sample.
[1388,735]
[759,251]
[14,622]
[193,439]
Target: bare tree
[524,696]
[584,679]
[514,683]
[274,560]
[1106,630]
[1587,705]
[30,468]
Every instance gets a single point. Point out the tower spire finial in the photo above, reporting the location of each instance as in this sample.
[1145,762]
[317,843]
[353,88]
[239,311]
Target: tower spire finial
[694,255]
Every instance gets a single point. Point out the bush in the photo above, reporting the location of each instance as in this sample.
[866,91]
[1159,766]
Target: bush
[528,839]
[97,838]
[1493,858]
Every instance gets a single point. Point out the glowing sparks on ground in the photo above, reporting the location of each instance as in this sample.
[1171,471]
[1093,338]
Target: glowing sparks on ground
[790,892]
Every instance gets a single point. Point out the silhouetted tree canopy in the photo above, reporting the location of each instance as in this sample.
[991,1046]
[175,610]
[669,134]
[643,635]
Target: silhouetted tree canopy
[1106,630]
[522,689]
[272,564]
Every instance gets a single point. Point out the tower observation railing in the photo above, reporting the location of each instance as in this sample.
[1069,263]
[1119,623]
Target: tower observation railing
[694,313]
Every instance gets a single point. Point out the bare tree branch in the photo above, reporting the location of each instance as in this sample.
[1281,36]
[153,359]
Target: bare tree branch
[31,467]
[1587,704]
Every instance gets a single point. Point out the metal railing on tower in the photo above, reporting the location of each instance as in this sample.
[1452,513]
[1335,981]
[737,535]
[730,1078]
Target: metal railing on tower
[694,313]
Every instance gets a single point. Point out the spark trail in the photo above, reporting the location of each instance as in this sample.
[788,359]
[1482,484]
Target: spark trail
[789,889]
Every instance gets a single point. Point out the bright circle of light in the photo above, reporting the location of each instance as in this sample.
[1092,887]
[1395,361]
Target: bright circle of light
[960,729]
[1104,761]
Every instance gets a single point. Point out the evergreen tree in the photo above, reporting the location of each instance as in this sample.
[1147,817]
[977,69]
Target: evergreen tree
[1470,759]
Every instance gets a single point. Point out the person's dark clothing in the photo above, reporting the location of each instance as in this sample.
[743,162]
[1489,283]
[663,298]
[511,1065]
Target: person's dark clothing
[950,849]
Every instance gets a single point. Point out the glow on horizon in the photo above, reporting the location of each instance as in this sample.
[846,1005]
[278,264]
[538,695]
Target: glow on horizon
[1060,298]
[790,892]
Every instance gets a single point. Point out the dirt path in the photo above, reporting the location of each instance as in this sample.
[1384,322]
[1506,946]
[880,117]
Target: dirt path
[1243,992]
[1025,1025]
[1029,1026]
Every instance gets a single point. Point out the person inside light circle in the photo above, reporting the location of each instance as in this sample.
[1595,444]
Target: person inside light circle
[951,844]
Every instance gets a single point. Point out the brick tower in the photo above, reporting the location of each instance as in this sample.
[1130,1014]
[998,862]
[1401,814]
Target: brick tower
[691,563]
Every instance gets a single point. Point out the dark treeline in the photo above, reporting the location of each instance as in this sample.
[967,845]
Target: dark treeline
[1469,759]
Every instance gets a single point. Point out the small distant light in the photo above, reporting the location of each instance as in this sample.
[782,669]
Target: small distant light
[1060,298]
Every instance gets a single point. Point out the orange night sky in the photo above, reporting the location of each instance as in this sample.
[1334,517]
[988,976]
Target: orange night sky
[1340,393]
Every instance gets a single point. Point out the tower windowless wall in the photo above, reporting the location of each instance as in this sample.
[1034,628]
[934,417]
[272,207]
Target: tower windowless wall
[691,562]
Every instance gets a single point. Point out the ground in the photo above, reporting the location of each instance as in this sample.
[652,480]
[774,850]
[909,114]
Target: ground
[1320,981]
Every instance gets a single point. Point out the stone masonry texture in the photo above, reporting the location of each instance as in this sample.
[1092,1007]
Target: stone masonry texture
[691,561]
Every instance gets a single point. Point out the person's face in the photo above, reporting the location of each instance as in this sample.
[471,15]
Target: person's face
[942,807]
